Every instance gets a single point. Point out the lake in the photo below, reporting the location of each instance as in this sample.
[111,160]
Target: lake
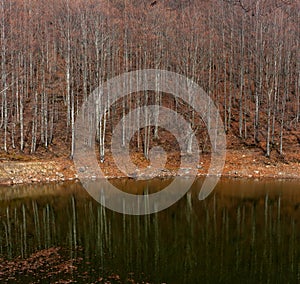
[246,231]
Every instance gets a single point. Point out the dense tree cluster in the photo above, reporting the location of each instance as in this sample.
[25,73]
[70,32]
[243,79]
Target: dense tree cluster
[244,54]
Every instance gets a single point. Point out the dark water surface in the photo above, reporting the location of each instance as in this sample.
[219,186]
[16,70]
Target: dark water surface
[246,231]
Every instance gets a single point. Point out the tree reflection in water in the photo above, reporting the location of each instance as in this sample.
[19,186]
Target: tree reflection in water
[245,231]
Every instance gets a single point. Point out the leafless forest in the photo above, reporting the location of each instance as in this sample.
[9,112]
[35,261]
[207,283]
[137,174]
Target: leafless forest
[244,54]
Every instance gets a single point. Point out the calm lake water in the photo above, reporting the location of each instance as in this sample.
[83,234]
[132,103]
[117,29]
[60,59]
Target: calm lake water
[246,231]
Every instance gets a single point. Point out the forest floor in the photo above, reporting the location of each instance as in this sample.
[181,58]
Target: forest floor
[249,163]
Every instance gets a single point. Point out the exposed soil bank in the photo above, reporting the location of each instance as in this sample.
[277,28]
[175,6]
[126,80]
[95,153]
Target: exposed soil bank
[239,163]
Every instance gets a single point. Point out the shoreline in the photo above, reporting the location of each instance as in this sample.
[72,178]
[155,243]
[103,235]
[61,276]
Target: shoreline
[239,164]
